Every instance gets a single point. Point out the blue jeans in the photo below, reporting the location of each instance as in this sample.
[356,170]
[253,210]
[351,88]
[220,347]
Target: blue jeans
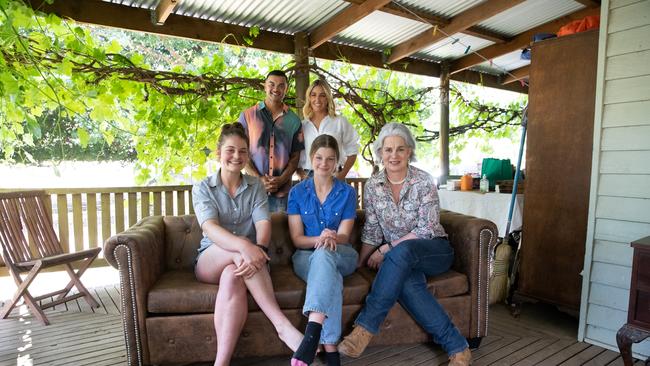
[323,270]
[277,204]
[402,277]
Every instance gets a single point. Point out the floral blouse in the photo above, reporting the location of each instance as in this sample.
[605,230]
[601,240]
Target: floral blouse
[418,209]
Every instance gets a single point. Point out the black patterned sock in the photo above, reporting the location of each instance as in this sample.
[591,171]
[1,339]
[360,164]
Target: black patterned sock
[309,344]
[333,358]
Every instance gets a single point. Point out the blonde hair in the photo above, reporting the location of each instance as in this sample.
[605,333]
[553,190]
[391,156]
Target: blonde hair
[331,109]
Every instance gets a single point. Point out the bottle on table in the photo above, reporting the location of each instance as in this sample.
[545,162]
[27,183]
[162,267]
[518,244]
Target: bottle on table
[485,184]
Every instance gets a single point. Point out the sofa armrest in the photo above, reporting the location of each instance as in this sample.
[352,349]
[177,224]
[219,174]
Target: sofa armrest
[138,254]
[473,240]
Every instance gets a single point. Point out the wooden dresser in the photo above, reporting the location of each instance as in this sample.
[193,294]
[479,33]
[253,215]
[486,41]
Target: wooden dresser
[638,312]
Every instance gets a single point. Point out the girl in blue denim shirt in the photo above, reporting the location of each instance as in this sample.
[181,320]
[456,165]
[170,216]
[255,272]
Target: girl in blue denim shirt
[321,216]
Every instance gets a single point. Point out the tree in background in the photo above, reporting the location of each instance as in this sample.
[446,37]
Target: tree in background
[73,139]
[91,89]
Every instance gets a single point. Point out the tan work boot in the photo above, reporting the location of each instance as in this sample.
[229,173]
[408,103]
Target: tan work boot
[355,343]
[461,358]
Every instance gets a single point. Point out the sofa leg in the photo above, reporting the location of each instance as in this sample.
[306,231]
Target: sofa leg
[474,343]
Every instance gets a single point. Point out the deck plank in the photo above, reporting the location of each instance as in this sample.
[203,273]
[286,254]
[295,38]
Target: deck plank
[81,335]
[616,362]
[442,358]
[46,341]
[566,353]
[419,354]
[515,330]
[602,359]
[385,353]
[544,353]
[72,356]
[114,307]
[83,304]
[619,362]
[506,351]
[107,304]
[109,360]
[584,356]
[482,351]
[527,351]
[73,333]
[114,294]
[102,307]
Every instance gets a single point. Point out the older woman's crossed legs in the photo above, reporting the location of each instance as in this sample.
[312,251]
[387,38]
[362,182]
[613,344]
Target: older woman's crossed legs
[402,277]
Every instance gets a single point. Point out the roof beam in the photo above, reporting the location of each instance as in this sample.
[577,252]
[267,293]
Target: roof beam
[360,56]
[414,14]
[486,34]
[136,19]
[520,41]
[517,74]
[162,11]
[488,80]
[457,24]
[342,20]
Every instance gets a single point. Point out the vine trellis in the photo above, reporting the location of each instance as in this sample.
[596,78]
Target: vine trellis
[59,63]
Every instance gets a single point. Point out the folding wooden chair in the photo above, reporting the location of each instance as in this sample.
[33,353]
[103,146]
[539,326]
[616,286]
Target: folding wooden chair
[26,213]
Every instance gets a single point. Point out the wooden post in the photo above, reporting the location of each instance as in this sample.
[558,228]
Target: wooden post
[301,56]
[444,122]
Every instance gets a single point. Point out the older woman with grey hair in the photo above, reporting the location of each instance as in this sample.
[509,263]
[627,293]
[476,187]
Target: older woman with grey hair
[404,240]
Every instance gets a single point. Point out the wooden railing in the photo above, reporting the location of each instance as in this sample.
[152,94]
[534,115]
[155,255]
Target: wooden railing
[86,217]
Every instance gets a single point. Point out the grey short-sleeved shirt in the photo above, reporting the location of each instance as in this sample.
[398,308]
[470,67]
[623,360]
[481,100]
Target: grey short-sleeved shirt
[239,214]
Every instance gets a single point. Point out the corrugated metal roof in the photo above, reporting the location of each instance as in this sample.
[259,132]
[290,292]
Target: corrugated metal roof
[529,14]
[282,16]
[379,30]
[448,49]
[508,62]
[443,8]
[372,32]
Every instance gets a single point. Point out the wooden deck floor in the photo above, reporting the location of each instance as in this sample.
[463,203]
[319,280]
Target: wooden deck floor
[80,335]
[77,334]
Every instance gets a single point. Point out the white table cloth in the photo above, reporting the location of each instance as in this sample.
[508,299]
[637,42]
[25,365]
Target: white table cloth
[491,206]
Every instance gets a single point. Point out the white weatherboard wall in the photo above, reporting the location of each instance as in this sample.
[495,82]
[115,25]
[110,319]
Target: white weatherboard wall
[619,207]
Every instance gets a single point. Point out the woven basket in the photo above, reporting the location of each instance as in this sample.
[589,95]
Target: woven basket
[499,279]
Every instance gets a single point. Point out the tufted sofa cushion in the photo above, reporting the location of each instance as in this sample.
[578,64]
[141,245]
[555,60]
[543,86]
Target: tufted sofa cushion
[177,291]
[180,292]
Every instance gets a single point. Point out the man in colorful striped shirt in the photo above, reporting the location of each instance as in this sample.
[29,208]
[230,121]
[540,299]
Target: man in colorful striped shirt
[275,135]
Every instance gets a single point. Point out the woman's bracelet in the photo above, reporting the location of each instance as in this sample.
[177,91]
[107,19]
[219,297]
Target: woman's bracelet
[390,245]
[379,250]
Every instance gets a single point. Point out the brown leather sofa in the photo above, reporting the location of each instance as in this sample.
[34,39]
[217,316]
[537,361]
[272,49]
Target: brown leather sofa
[167,314]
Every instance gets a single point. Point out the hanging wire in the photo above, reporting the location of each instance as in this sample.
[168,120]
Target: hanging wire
[436,29]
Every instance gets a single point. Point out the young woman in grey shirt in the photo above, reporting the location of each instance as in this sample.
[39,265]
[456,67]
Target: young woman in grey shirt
[232,210]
